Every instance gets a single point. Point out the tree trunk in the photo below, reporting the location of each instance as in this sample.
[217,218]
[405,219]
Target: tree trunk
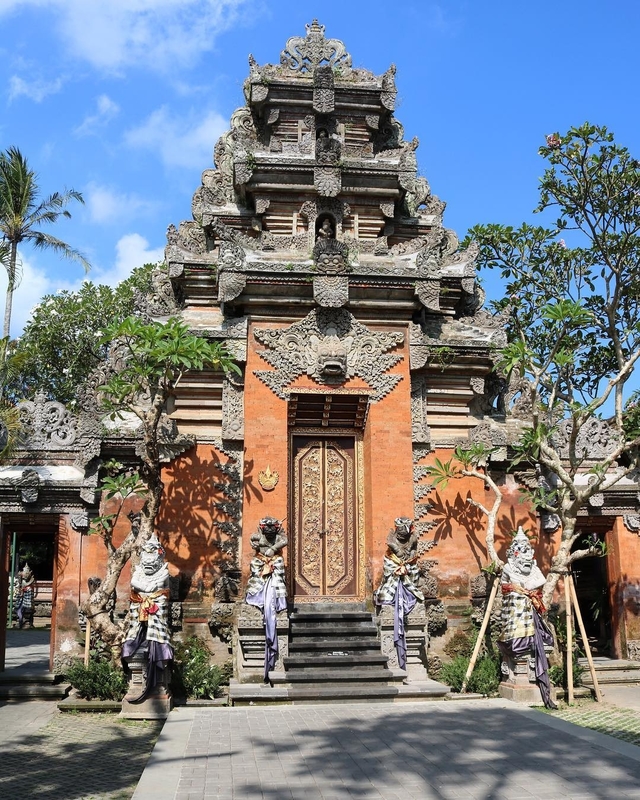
[11,281]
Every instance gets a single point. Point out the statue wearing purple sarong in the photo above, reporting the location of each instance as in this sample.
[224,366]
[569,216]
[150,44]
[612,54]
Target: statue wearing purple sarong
[266,588]
[524,631]
[400,578]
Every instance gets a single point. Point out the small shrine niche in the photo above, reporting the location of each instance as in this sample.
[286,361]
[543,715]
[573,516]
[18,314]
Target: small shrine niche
[325,227]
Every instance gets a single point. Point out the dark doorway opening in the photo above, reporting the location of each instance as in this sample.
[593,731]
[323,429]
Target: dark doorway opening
[592,590]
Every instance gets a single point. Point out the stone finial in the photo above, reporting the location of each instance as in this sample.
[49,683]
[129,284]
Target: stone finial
[305,54]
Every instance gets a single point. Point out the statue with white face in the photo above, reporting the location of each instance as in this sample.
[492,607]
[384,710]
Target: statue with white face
[521,566]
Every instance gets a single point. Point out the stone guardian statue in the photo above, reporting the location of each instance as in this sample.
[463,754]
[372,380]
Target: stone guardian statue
[524,631]
[400,577]
[266,588]
[149,635]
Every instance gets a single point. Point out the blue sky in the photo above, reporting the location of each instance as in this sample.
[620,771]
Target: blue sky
[123,100]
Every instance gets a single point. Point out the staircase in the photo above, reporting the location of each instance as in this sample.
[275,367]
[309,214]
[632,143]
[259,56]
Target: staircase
[611,671]
[335,657]
[20,685]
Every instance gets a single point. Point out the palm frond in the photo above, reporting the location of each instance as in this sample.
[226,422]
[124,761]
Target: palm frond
[45,241]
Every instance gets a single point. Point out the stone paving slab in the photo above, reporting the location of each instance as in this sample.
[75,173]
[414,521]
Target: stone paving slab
[52,756]
[479,749]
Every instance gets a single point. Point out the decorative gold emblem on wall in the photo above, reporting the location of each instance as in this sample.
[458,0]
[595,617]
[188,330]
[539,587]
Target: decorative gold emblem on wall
[267,479]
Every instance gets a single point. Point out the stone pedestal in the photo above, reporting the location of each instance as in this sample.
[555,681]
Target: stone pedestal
[249,643]
[417,640]
[519,682]
[158,703]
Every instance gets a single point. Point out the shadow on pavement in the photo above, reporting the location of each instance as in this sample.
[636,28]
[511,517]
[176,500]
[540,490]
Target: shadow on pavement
[433,752]
[76,756]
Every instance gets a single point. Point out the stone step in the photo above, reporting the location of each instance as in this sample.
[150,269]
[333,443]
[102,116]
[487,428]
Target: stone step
[331,630]
[611,671]
[14,676]
[318,617]
[252,694]
[329,608]
[34,691]
[344,661]
[324,675]
[343,646]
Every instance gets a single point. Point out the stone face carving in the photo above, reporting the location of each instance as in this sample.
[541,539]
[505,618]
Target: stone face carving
[330,256]
[328,150]
[305,54]
[331,291]
[330,346]
[233,408]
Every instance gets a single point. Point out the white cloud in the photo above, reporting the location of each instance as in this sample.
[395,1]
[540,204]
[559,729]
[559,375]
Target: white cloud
[33,286]
[106,205]
[160,34]
[180,141]
[132,251]
[106,110]
[36,89]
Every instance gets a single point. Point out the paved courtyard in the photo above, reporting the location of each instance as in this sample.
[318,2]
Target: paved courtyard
[463,749]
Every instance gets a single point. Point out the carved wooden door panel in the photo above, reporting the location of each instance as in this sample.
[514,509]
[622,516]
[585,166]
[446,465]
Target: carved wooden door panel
[324,518]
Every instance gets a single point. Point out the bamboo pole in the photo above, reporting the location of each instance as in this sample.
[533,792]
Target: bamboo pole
[567,601]
[87,642]
[483,628]
[583,633]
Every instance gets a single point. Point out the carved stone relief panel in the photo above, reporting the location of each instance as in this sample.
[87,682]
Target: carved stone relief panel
[323,89]
[46,424]
[331,291]
[330,346]
[233,408]
[419,428]
[327,181]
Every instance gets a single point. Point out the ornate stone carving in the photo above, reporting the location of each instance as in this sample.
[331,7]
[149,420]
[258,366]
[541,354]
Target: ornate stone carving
[327,181]
[161,300]
[171,443]
[633,649]
[189,236]
[230,286]
[268,479]
[419,428]
[388,94]
[323,92]
[233,408]
[305,54]
[330,256]
[428,293]
[330,346]
[46,424]
[491,435]
[632,522]
[388,209]
[596,439]
[328,151]
[79,521]
[28,486]
[331,291]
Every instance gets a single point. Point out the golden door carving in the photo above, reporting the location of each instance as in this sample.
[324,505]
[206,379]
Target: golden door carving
[325,535]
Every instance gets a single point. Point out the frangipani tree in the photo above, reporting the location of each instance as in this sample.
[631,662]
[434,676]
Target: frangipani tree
[151,360]
[573,290]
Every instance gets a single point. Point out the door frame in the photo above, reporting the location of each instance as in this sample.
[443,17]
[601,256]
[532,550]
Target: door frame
[359,510]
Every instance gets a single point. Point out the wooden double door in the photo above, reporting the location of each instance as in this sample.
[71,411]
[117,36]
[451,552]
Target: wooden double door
[325,537]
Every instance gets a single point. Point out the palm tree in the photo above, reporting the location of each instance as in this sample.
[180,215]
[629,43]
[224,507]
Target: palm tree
[22,212]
